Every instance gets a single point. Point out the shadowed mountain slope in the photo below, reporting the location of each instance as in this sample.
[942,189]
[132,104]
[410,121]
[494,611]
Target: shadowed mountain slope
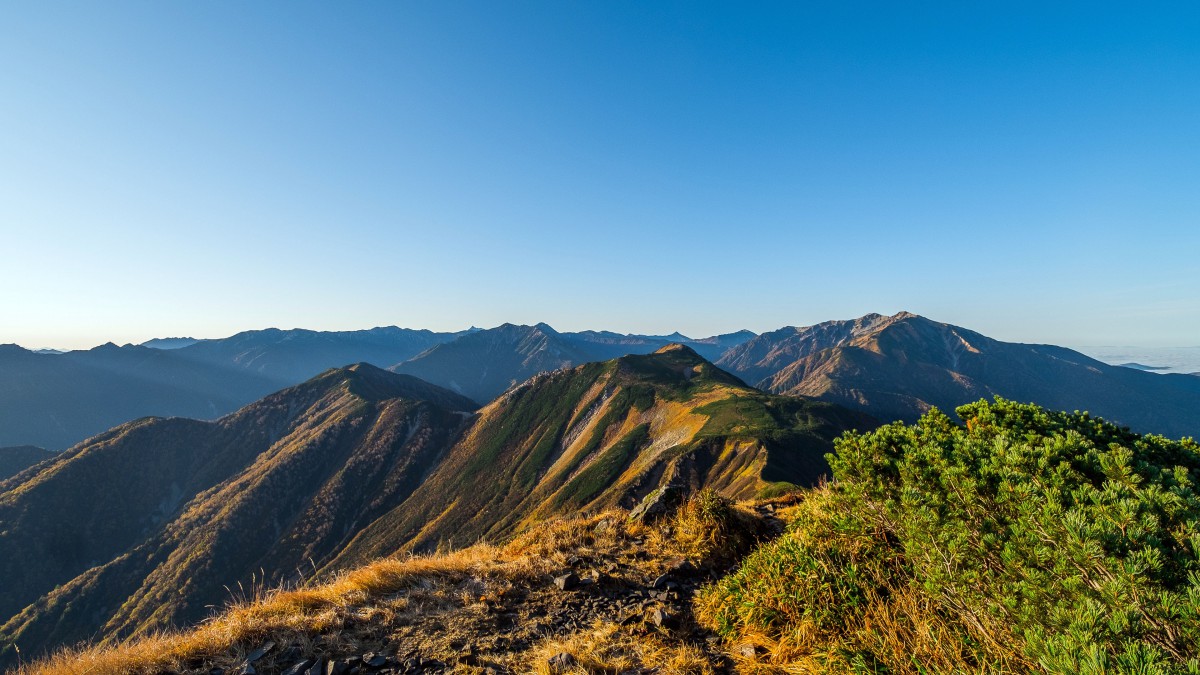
[15,460]
[56,400]
[149,524]
[898,367]
[287,357]
[484,364]
[607,434]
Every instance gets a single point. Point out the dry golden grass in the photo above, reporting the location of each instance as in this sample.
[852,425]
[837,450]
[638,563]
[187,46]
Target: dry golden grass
[367,593]
[709,527]
[611,649]
[281,616]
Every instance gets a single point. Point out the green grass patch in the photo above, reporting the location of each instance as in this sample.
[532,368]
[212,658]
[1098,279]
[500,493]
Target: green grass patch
[601,473]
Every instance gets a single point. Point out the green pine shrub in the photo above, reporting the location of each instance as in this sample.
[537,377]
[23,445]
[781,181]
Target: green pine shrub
[1025,541]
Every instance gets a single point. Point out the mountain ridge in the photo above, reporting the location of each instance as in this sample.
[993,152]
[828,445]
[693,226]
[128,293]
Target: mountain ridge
[898,367]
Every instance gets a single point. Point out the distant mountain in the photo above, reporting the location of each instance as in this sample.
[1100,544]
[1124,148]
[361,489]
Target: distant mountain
[56,400]
[151,523]
[896,367]
[287,357]
[485,363]
[1142,366]
[15,460]
[607,434]
[604,345]
[712,348]
[765,355]
[170,343]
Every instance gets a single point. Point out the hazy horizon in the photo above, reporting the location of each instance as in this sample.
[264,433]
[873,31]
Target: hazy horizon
[1112,353]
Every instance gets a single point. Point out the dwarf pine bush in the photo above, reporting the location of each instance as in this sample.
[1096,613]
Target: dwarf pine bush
[1026,540]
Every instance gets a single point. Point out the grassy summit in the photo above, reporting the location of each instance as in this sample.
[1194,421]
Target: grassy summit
[605,435]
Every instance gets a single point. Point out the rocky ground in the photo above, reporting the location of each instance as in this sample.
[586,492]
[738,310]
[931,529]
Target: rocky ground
[617,602]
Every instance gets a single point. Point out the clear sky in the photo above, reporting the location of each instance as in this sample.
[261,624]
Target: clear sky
[1031,171]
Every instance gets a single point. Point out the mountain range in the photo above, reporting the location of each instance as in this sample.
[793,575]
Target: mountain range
[893,367]
[151,523]
[897,367]
[56,399]
[148,522]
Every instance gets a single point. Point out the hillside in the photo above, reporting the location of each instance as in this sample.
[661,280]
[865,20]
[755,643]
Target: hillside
[17,459]
[898,367]
[607,434]
[151,523]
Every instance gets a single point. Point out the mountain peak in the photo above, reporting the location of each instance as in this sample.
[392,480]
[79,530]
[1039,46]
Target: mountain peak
[374,384]
[678,348]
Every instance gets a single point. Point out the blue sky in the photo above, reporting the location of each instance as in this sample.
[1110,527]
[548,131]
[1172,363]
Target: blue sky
[1024,170]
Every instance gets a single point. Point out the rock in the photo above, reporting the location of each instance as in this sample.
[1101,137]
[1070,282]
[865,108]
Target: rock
[247,669]
[657,504]
[374,660]
[663,618]
[337,667]
[260,652]
[300,668]
[567,581]
[317,668]
[662,581]
[748,651]
[561,661]
[681,567]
